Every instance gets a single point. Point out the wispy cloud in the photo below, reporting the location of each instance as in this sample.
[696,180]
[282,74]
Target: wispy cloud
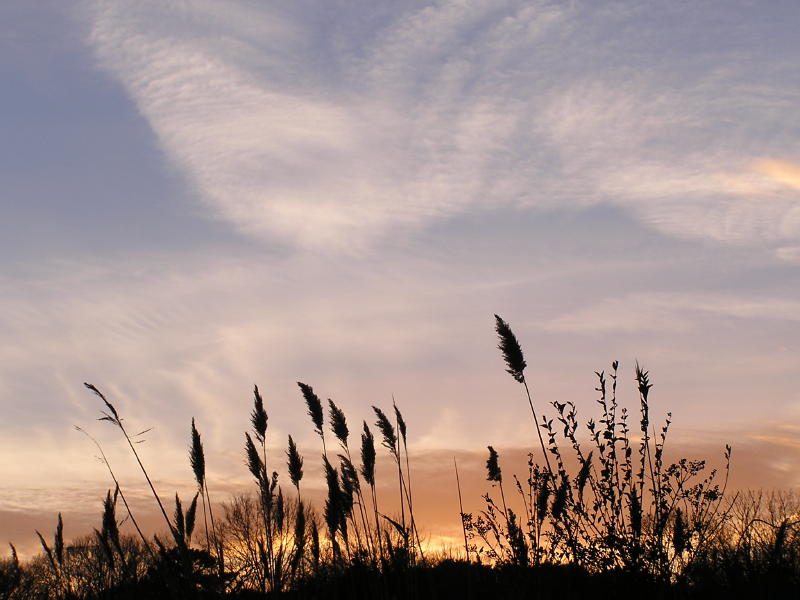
[639,312]
[394,115]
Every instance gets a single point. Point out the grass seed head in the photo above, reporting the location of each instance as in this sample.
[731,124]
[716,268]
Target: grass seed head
[387,430]
[110,530]
[107,403]
[368,455]
[294,463]
[401,424]
[58,546]
[191,516]
[259,416]
[314,406]
[338,423]
[197,457]
[180,522]
[512,352]
[254,460]
[493,467]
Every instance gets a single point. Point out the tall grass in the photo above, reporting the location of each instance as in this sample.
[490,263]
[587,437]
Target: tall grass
[624,509]
[600,508]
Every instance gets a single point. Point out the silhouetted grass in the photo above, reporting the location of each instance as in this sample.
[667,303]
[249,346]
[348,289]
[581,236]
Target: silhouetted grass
[621,523]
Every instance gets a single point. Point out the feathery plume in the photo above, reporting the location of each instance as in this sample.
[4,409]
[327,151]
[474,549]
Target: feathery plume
[191,516]
[180,522]
[368,455]
[197,457]
[333,505]
[387,429]
[401,424]
[58,545]
[254,462]
[107,403]
[47,551]
[15,571]
[512,352]
[338,423]
[493,468]
[109,523]
[314,406]
[259,416]
[294,463]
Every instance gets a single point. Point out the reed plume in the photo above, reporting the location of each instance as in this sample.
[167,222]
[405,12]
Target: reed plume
[197,461]
[512,351]
[259,417]
[387,430]
[367,470]
[493,472]
[314,405]
[295,465]
[338,423]
[515,361]
[197,457]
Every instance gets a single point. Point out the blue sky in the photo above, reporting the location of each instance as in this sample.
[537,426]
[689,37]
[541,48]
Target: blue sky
[343,193]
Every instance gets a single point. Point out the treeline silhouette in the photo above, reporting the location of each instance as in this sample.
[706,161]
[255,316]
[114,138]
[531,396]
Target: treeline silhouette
[623,524]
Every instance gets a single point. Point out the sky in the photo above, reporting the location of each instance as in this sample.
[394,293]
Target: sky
[197,199]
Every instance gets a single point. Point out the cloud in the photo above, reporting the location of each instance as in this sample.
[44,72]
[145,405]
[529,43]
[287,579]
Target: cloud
[760,459]
[642,312]
[394,116]
[781,171]
[789,253]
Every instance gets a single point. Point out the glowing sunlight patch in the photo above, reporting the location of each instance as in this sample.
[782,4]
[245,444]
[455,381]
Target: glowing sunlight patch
[781,171]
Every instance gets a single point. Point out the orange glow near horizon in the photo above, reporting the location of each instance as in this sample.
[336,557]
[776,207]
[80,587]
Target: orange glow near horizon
[782,171]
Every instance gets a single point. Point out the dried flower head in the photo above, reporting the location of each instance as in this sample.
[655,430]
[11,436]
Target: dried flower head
[493,468]
[197,457]
[294,463]
[401,424]
[338,423]
[387,429]
[512,352]
[368,455]
[259,416]
[314,406]
[254,462]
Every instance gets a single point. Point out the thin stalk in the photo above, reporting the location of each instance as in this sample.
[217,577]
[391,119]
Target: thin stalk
[217,541]
[539,433]
[116,420]
[121,494]
[461,509]
[414,529]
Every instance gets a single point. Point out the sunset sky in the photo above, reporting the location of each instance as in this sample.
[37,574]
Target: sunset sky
[199,196]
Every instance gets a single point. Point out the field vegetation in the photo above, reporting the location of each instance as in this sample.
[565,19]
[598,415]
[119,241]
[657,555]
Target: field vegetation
[599,513]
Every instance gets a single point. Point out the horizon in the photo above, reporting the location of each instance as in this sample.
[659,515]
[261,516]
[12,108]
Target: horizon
[343,194]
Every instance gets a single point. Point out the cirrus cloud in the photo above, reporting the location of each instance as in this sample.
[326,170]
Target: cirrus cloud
[391,116]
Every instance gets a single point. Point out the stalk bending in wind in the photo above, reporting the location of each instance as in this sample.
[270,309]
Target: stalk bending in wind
[197,460]
[349,473]
[512,353]
[314,405]
[121,495]
[115,419]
